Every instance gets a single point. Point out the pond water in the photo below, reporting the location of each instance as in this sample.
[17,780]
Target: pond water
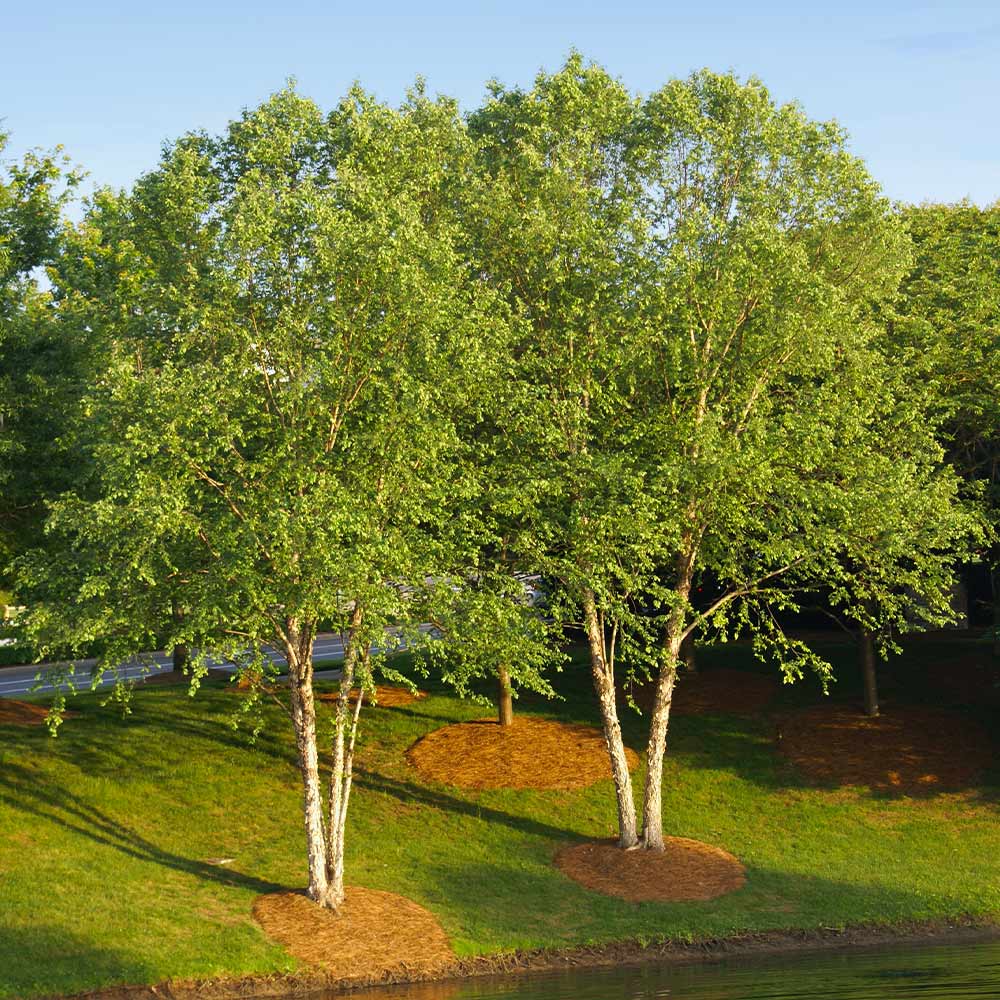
[947,972]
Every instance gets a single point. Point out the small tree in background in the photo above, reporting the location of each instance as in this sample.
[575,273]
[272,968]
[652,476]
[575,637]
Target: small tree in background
[493,625]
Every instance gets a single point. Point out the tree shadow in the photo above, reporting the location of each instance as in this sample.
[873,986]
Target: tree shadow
[21,791]
[563,911]
[98,740]
[760,750]
[409,793]
[44,961]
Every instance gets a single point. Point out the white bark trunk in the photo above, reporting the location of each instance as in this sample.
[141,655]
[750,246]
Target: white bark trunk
[342,765]
[300,669]
[604,684]
[652,804]
[656,746]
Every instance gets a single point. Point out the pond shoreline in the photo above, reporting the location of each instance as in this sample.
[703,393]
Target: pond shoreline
[961,930]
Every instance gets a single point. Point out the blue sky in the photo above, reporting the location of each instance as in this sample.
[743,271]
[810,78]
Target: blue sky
[917,86]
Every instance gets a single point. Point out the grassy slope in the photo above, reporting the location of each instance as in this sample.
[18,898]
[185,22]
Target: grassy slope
[105,834]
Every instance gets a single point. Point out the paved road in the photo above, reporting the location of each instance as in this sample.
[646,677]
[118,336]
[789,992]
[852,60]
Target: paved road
[20,680]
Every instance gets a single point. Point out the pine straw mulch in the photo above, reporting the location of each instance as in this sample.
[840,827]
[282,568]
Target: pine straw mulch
[386,696]
[376,936]
[531,753]
[23,713]
[685,871]
[907,750]
[709,692]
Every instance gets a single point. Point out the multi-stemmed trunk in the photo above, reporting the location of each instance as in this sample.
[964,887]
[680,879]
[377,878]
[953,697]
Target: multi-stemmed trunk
[342,769]
[602,671]
[505,697]
[324,835]
[298,649]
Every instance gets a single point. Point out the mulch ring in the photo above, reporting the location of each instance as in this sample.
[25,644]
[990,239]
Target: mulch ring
[23,713]
[376,935]
[685,871]
[708,692]
[908,750]
[386,696]
[531,753]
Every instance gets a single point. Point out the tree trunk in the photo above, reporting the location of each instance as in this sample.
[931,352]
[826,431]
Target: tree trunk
[652,802]
[180,654]
[604,684]
[505,699]
[656,747]
[995,587]
[342,765]
[299,653]
[867,644]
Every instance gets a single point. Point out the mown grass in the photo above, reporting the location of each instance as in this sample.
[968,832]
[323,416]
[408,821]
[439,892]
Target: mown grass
[107,835]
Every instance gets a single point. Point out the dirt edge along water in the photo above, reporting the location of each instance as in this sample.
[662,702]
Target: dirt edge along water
[959,930]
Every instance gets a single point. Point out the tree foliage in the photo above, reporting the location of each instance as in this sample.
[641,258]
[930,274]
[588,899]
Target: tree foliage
[39,368]
[946,331]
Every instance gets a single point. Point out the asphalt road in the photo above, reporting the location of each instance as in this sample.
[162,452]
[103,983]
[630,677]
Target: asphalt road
[20,680]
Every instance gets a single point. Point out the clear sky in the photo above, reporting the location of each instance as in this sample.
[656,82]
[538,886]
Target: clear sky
[917,86]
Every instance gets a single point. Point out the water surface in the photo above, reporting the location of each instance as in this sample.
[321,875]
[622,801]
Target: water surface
[944,972]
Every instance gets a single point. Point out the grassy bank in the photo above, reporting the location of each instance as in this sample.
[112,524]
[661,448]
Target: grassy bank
[108,836]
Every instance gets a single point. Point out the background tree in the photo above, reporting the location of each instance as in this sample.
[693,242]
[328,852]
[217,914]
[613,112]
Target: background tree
[947,332]
[274,438]
[41,367]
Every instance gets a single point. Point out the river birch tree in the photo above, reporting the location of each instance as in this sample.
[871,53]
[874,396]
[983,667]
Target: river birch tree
[699,277]
[288,324]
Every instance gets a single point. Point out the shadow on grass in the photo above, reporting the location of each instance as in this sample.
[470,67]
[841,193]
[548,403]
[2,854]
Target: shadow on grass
[563,911]
[38,960]
[409,793]
[101,741]
[21,791]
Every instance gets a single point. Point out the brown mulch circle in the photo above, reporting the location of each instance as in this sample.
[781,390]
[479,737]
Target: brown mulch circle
[23,713]
[386,696]
[685,871]
[908,750]
[531,753]
[709,692]
[375,935]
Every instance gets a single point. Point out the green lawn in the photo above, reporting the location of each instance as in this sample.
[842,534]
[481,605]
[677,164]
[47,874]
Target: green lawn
[106,832]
